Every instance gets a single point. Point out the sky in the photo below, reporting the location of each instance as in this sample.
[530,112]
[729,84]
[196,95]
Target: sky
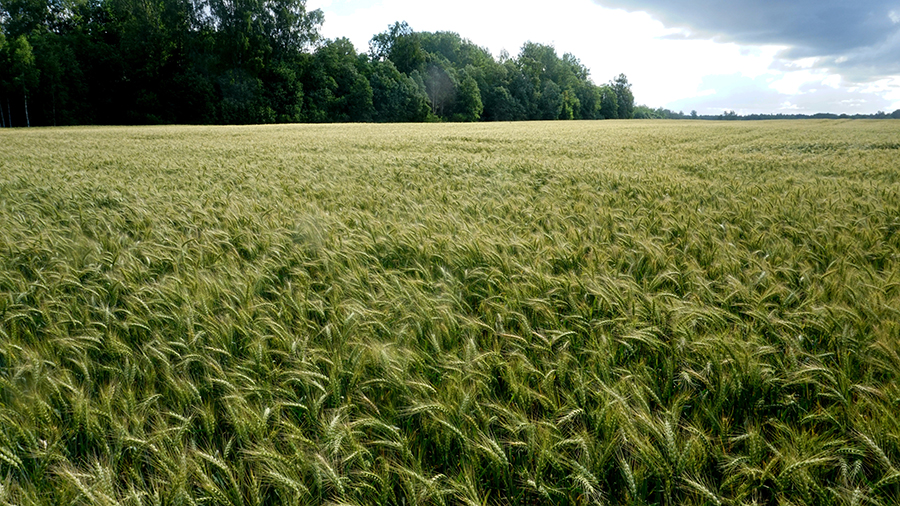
[750,56]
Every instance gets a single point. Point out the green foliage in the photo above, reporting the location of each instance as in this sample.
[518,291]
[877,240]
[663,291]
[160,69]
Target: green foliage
[609,103]
[624,97]
[262,61]
[468,100]
[395,96]
[402,46]
[644,112]
[124,61]
[338,88]
[554,313]
[441,85]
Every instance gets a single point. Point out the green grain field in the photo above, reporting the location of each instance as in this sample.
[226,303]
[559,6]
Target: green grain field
[634,313]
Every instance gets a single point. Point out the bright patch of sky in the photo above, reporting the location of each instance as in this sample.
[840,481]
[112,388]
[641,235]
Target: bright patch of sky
[750,56]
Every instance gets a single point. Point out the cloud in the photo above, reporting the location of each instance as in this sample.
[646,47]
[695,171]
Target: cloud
[772,94]
[858,38]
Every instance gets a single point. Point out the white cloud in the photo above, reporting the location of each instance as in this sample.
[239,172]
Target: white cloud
[796,83]
[887,88]
[803,63]
[832,81]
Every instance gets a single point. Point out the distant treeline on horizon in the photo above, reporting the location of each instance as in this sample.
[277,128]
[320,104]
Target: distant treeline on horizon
[645,112]
[263,61]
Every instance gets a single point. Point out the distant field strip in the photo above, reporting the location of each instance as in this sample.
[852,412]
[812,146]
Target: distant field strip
[617,312]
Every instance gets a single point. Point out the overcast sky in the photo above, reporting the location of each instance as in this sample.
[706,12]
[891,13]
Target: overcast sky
[770,56]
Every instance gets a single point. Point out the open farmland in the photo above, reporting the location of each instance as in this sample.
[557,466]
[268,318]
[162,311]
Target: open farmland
[570,313]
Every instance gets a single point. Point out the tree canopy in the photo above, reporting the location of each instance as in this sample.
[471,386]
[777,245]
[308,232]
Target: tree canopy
[65,62]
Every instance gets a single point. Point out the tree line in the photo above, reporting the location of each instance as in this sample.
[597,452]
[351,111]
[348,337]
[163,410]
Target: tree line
[72,62]
[645,112]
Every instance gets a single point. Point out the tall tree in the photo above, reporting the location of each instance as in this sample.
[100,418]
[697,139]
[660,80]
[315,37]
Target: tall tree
[551,101]
[396,97]
[291,28]
[4,66]
[609,103]
[440,84]
[338,89]
[22,17]
[401,45]
[23,70]
[624,97]
[468,99]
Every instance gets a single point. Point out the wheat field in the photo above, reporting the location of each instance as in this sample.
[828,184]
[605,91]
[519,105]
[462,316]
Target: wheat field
[634,313]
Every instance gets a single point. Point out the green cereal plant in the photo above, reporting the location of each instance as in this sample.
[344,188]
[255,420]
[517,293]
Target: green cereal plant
[634,313]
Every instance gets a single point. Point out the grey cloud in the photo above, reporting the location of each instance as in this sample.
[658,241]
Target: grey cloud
[859,37]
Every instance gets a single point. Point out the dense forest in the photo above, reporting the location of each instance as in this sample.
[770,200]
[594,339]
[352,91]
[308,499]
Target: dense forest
[68,62]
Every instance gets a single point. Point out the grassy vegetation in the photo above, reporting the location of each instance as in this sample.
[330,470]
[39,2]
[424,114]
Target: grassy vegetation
[568,313]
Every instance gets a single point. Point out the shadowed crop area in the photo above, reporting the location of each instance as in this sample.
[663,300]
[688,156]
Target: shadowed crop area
[568,313]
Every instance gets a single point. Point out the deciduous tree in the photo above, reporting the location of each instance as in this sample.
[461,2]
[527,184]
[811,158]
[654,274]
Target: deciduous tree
[624,97]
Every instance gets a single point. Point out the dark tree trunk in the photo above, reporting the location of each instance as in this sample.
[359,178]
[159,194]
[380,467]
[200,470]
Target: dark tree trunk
[25,94]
